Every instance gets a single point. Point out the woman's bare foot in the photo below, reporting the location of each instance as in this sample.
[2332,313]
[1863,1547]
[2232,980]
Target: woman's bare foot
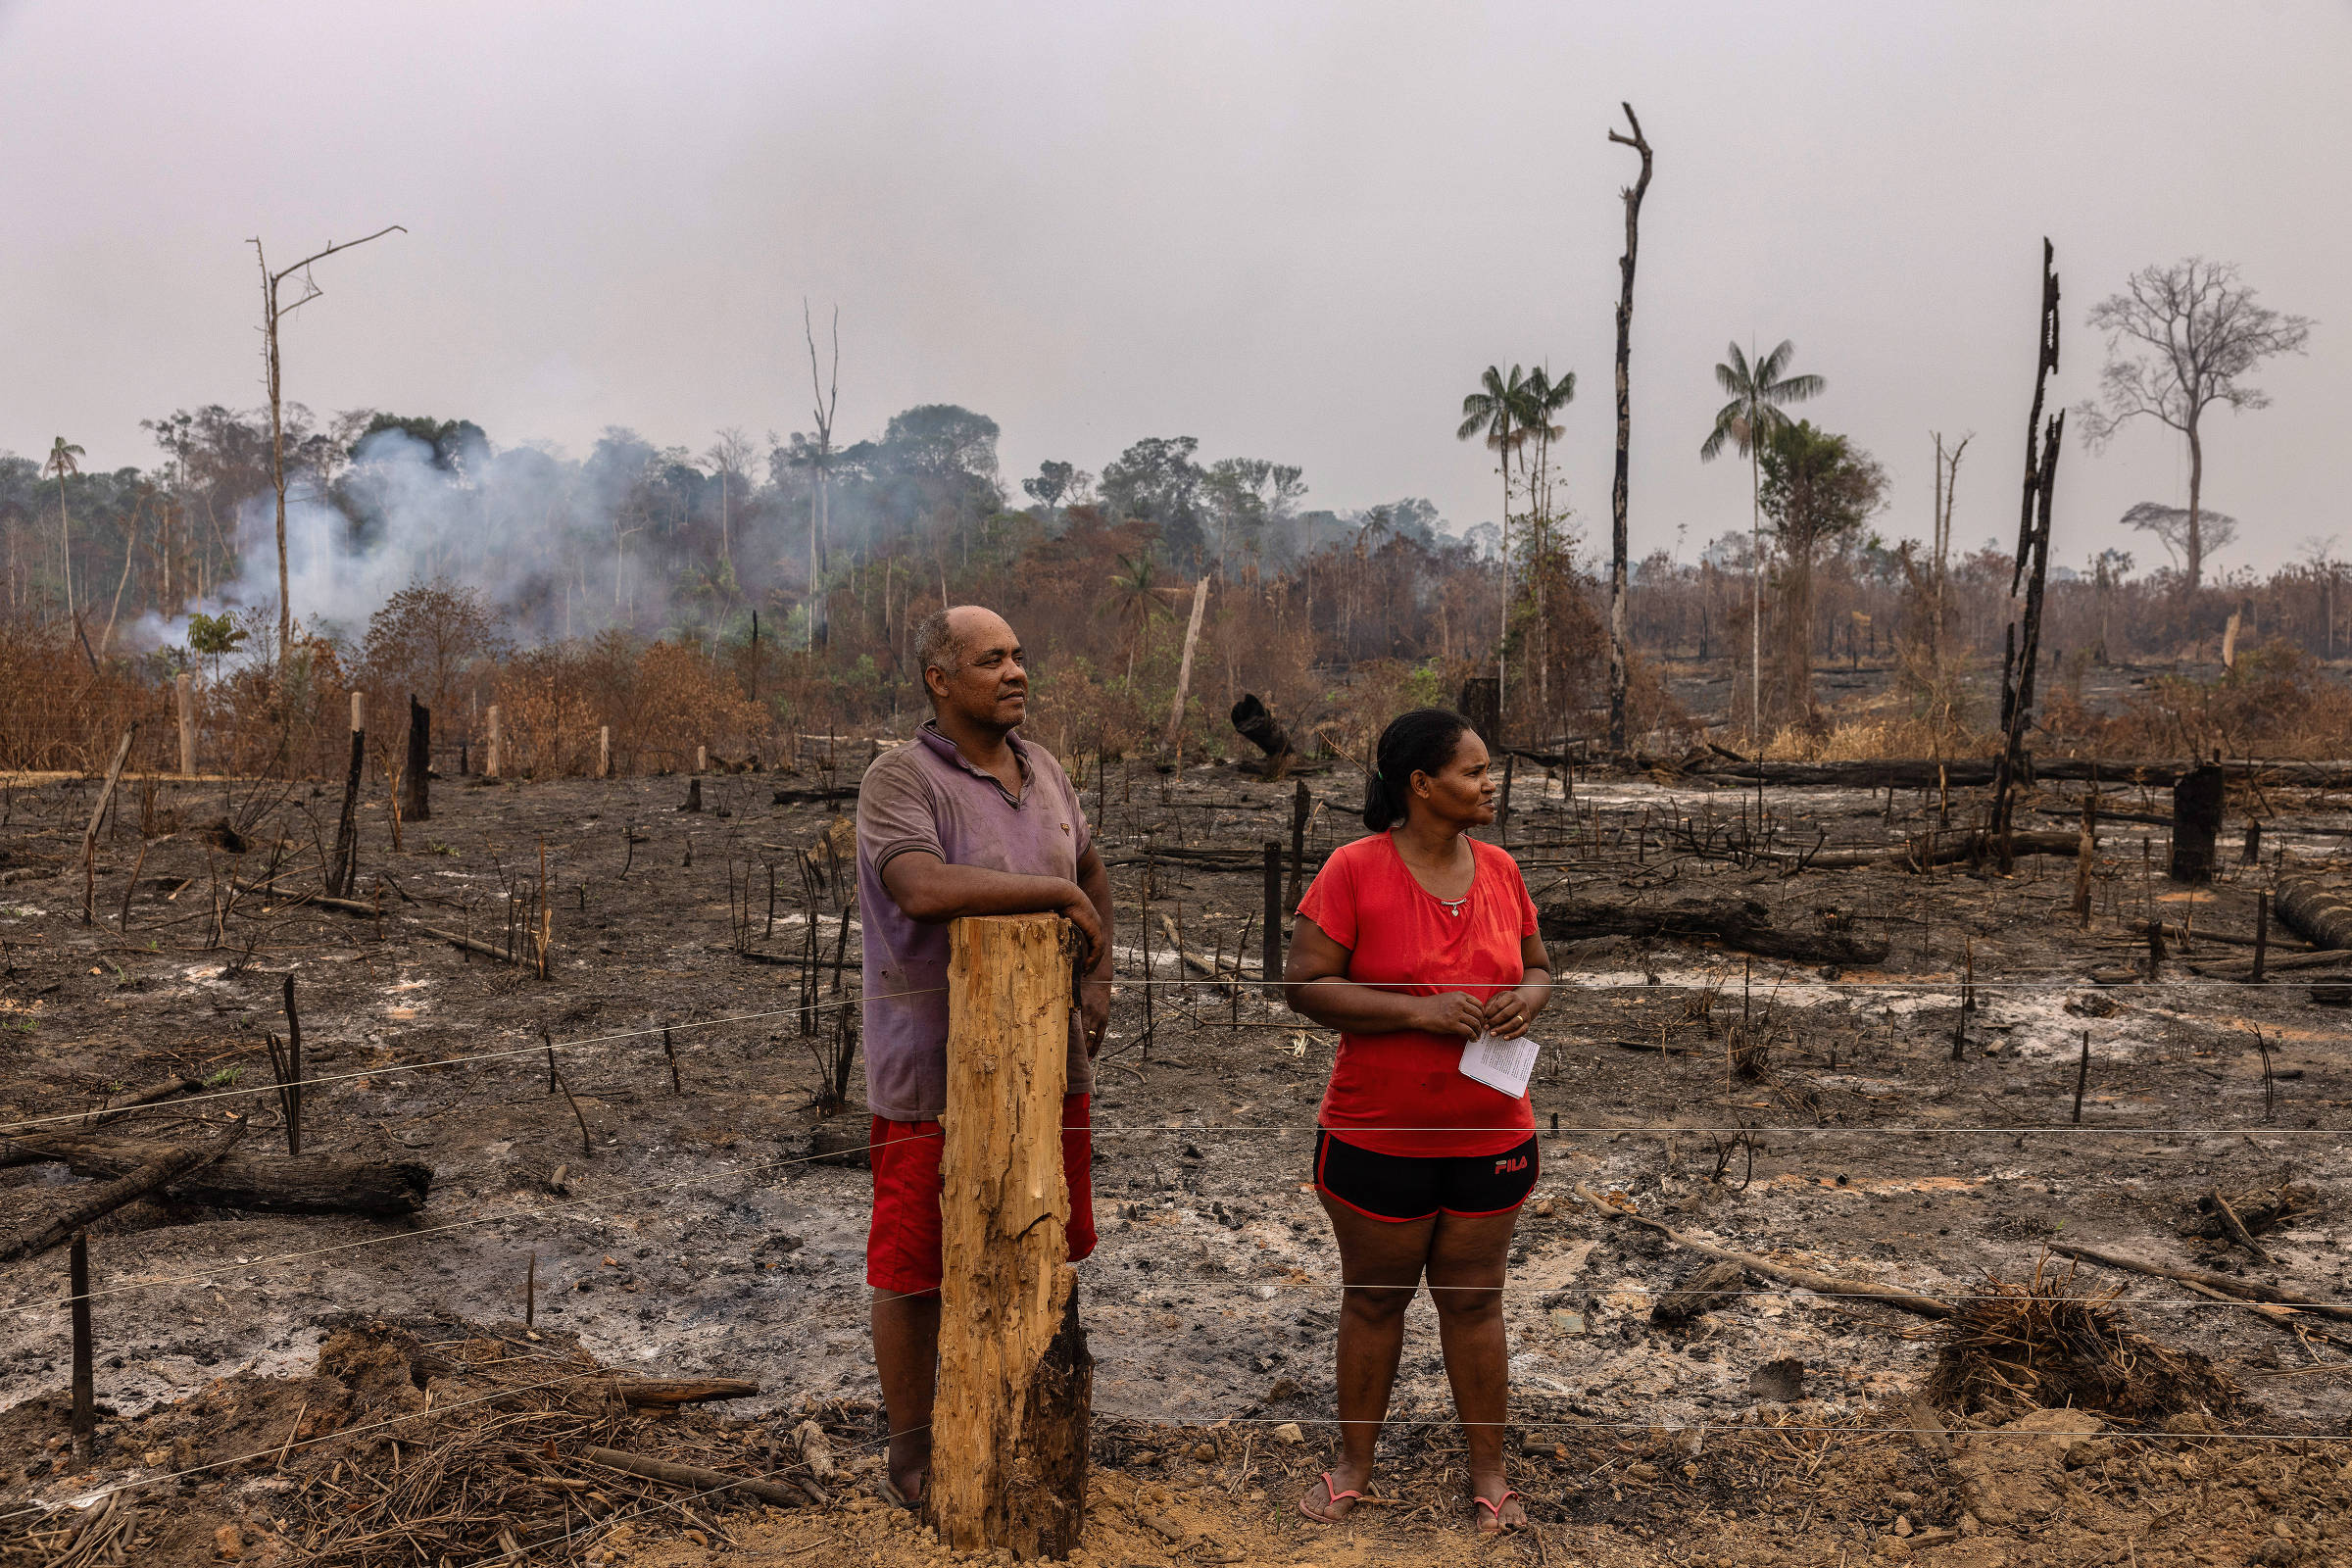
[1333,1496]
[1497,1505]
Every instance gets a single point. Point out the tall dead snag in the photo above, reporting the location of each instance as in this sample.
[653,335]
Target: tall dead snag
[1183,668]
[1625,427]
[2022,653]
[273,312]
[1015,1379]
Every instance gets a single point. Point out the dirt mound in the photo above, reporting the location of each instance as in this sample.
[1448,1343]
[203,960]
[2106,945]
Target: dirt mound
[2044,1345]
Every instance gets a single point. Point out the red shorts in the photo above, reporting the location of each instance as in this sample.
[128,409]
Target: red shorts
[902,1243]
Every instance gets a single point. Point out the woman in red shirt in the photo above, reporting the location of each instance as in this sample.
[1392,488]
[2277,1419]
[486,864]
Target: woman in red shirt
[1417,940]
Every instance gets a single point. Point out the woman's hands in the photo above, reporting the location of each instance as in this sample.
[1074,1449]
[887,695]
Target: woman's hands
[1507,1013]
[1451,1013]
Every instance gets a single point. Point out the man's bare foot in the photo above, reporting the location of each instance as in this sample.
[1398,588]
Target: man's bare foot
[909,1467]
[1497,1505]
[1333,1496]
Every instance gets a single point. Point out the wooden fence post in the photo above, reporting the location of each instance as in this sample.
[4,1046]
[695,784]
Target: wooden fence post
[1015,1379]
[496,757]
[604,750]
[187,684]
[343,874]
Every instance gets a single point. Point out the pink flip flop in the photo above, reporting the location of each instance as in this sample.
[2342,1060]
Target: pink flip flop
[1331,1497]
[1494,1509]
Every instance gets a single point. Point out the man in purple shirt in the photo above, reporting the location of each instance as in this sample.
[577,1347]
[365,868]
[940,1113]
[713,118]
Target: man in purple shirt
[964,819]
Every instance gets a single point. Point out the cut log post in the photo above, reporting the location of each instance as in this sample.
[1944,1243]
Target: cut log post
[1184,668]
[2262,931]
[1256,723]
[416,796]
[2253,849]
[604,750]
[2196,823]
[184,690]
[702,758]
[495,757]
[315,1184]
[1015,1378]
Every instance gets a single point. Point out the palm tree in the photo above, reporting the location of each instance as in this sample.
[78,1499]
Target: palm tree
[1135,596]
[1747,421]
[1544,398]
[62,454]
[1500,410]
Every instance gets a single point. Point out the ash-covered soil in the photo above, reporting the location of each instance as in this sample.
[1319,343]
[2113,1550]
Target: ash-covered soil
[693,1235]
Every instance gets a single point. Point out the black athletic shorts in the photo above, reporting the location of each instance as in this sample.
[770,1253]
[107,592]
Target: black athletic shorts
[1401,1188]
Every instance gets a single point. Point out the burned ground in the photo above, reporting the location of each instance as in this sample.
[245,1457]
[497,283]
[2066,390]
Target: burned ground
[686,1231]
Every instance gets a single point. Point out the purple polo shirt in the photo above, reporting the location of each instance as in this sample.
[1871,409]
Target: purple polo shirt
[924,796]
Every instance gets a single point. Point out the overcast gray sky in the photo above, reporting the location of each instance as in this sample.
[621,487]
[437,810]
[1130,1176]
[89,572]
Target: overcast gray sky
[1296,231]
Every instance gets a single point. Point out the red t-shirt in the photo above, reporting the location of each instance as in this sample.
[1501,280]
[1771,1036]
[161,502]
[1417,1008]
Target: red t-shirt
[1404,1093]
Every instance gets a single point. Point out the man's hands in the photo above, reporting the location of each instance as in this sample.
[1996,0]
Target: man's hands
[1094,1011]
[1079,912]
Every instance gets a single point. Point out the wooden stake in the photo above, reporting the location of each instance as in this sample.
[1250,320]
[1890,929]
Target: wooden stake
[86,1400]
[495,758]
[1015,1379]
[1270,963]
[2262,930]
[89,835]
[343,873]
[2081,1077]
[1303,807]
[604,750]
[530,1291]
[2086,853]
[293,1089]
[669,1051]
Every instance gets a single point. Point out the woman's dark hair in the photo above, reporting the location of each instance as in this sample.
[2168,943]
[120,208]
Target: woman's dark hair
[1422,741]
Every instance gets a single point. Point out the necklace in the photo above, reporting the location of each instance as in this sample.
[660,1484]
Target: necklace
[1453,906]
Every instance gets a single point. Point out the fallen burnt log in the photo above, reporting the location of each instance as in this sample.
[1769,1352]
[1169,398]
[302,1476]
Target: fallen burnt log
[309,1184]
[1935,849]
[1740,923]
[2319,914]
[160,1166]
[1927,773]
[1258,726]
[1765,1268]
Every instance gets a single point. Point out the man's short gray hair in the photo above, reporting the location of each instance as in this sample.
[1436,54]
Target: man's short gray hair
[936,645]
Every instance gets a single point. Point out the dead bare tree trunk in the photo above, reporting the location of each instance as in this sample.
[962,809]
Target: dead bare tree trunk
[1633,195]
[272,313]
[2024,652]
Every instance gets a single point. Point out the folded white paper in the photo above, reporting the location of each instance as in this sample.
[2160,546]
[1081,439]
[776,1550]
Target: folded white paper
[1503,1065]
